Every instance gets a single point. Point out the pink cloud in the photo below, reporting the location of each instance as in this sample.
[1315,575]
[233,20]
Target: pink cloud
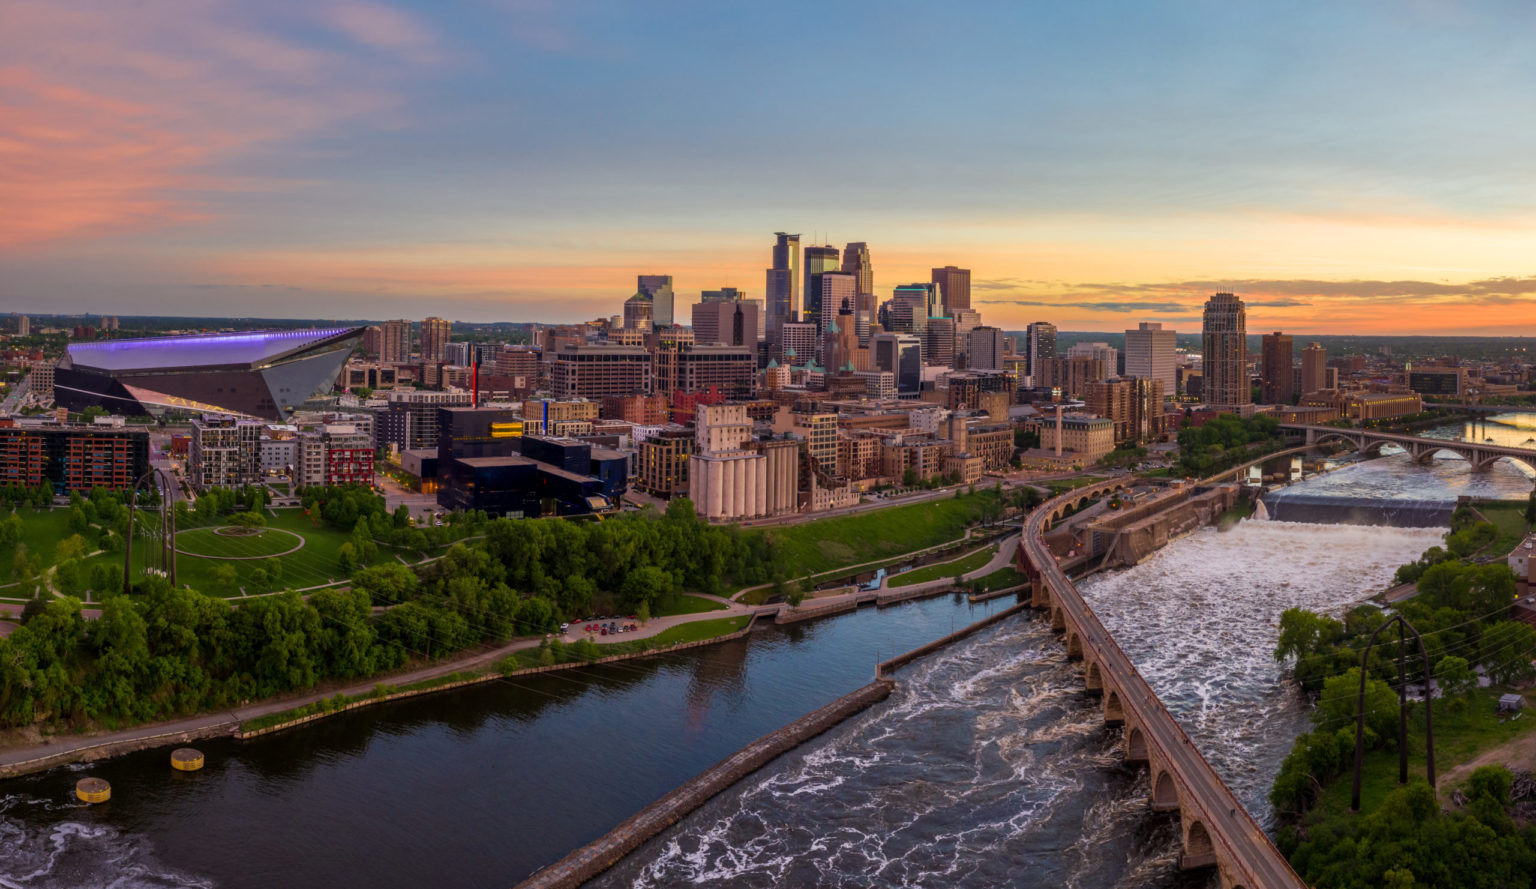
[116,116]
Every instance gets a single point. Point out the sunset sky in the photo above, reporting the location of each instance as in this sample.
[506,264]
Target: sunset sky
[1346,167]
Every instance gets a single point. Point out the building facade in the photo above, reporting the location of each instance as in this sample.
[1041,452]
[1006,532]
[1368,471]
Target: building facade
[1277,368]
[1150,354]
[1224,350]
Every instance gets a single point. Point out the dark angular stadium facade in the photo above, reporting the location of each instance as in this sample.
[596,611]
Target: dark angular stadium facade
[262,374]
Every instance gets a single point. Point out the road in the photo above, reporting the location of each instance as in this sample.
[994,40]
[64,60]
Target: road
[1240,842]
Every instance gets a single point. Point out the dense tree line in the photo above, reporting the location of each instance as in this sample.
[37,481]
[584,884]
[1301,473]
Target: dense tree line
[164,651]
[1224,441]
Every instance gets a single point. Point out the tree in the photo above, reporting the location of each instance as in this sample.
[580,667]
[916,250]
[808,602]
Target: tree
[10,531]
[1507,649]
[248,519]
[1456,680]
[346,557]
[1339,704]
[224,580]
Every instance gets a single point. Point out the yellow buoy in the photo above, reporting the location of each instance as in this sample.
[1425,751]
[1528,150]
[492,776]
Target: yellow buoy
[186,759]
[93,790]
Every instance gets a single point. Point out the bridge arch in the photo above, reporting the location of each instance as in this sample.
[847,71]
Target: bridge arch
[1093,679]
[1114,711]
[1135,745]
[1199,851]
[1058,620]
[1165,794]
[1074,647]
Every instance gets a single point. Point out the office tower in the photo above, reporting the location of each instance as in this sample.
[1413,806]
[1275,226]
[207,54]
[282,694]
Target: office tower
[988,345]
[856,262]
[1314,368]
[637,314]
[23,325]
[1040,347]
[840,344]
[728,294]
[397,342]
[434,336]
[783,286]
[1102,351]
[592,371]
[954,288]
[726,322]
[798,343]
[818,261]
[832,293]
[923,297]
[1149,354]
[1277,378]
[458,354]
[1071,375]
[966,320]
[657,289]
[902,355]
[1224,367]
[939,342]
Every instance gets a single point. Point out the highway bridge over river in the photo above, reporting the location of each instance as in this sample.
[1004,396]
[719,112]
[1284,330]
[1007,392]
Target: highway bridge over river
[1216,830]
[1480,455]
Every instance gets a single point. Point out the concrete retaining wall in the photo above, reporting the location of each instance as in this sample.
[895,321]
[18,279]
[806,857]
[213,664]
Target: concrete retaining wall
[594,858]
[901,660]
[109,749]
[997,594]
[811,611]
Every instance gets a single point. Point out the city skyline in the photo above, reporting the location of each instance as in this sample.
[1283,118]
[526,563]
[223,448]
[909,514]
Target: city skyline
[465,160]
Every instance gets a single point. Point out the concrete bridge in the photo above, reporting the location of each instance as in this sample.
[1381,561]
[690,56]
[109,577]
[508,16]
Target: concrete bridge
[1422,450]
[1216,830]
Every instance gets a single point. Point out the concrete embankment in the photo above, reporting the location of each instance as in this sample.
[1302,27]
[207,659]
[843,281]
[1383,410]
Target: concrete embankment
[596,857]
[810,610]
[216,728]
[996,594]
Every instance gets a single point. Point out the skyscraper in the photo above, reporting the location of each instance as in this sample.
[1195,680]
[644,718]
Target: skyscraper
[818,260]
[954,288]
[1277,378]
[23,325]
[856,262]
[902,355]
[396,347]
[1039,347]
[988,344]
[783,287]
[832,293]
[638,313]
[434,338]
[1224,346]
[1314,368]
[726,322]
[1149,354]
[658,289]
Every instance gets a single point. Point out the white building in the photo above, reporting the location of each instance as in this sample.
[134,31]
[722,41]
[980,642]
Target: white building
[1149,354]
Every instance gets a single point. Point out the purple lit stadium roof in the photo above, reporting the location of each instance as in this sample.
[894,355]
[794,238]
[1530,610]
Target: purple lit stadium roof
[206,350]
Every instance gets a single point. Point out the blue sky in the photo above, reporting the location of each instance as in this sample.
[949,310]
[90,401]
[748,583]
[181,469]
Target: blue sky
[525,160]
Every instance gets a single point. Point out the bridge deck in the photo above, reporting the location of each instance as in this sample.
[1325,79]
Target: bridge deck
[1240,843]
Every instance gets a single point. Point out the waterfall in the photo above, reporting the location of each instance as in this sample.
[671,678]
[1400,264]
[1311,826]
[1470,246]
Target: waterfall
[1260,513]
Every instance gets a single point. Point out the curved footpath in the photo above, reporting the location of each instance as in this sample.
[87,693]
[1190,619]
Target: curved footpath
[60,749]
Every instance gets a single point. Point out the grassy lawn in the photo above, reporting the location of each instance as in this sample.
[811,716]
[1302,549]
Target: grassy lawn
[1001,579]
[942,570]
[1060,485]
[258,542]
[828,544]
[1509,516]
[40,533]
[687,605]
[1459,736]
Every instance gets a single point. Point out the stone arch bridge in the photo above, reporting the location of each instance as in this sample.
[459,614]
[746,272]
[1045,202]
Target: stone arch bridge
[1479,455]
[1216,830]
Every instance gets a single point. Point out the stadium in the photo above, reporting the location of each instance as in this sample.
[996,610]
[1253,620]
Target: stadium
[262,374]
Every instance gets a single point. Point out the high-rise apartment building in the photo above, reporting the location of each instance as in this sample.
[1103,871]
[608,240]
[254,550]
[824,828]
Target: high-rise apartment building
[1277,368]
[954,288]
[1224,341]
[1314,368]
[23,325]
[783,286]
[396,343]
[1040,347]
[1133,404]
[726,322]
[988,345]
[224,452]
[1149,354]
[373,340]
[1102,351]
[658,289]
[434,338]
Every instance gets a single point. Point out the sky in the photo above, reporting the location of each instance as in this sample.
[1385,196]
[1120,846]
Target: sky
[1349,167]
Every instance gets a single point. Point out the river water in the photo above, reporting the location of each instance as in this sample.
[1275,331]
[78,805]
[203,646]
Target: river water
[986,767]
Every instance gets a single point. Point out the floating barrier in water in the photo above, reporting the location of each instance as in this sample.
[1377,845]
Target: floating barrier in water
[186,759]
[93,790]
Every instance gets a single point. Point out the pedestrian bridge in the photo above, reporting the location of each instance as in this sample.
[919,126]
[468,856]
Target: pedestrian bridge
[1216,830]
[1480,455]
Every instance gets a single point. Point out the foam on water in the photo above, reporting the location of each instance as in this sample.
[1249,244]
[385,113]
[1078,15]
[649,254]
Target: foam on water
[1200,619]
[70,852]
